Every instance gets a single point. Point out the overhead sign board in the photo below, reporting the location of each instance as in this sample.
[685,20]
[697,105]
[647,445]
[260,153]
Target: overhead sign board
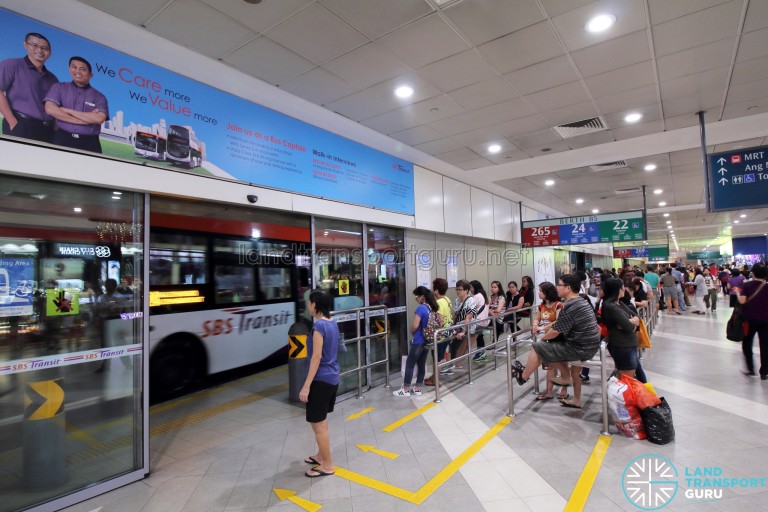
[652,252]
[738,179]
[703,255]
[587,229]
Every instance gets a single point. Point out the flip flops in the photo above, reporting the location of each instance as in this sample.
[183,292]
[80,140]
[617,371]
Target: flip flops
[317,473]
[564,397]
[311,460]
[569,403]
[542,397]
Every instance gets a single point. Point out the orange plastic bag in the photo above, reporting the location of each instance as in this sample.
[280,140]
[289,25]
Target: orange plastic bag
[642,396]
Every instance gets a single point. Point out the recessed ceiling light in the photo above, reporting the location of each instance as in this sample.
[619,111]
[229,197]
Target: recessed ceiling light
[669,227]
[595,211]
[494,148]
[579,201]
[669,222]
[735,222]
[666,215]
[600,23]
[650,167]
[549,183]
[633,117]
[77,209]
[404,91]
[115,197]
[117,193]
[743,215]
[663,203]
[658,191]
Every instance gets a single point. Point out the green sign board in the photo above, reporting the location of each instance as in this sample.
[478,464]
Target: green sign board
[703,255]
[586,229]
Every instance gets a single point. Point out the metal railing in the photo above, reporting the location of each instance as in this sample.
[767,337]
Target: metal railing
[602,363]
[357,314]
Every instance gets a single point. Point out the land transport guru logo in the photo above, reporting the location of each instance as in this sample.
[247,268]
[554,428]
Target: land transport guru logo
[650,482]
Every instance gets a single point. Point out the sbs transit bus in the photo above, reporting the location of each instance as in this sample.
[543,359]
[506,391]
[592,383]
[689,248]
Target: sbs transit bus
[150,145]
[225,285]
[184,148]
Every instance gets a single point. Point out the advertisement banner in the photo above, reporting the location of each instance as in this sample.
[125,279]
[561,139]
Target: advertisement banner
[130,109]
[17,283]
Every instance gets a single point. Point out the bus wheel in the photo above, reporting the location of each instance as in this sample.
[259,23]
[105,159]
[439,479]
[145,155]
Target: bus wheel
[174,367]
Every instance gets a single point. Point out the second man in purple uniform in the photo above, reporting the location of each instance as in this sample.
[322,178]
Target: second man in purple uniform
[79,109]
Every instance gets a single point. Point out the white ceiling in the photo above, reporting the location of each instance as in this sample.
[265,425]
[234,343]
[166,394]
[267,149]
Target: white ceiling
[506,72]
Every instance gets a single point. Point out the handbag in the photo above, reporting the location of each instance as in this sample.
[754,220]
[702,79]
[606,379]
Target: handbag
[644,341]
[734,330]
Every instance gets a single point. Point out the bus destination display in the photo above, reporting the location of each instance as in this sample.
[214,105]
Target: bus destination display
[587,229]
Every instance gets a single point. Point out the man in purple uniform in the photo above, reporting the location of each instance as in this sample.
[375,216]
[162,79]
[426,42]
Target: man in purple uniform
[24,83]
[79,109]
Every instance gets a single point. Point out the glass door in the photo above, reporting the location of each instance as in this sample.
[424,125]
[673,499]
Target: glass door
[72,412]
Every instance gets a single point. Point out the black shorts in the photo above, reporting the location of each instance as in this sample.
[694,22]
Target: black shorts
[322,398]
[624,358]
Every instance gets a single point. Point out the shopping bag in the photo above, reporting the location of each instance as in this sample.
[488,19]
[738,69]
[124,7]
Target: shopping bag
[734,330]
[642,335]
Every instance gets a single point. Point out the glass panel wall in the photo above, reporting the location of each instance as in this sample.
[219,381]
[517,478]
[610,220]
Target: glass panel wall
[71,338]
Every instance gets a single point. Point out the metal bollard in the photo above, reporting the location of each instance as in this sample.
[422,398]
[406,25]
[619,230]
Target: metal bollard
[44,435]
[604,390]
[510,384]
[436,374]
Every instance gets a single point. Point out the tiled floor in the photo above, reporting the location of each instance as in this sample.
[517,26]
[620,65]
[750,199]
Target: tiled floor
[234,459]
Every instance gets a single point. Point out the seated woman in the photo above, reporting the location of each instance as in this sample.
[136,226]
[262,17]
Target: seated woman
[546,315]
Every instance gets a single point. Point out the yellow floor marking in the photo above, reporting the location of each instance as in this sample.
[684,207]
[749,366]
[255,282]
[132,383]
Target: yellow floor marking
[361,413]
[368,448]
[427,489]
[403,421]
[588,475]
[309,506]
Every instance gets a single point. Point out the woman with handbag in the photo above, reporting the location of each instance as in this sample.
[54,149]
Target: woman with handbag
[754,296]
[622,323]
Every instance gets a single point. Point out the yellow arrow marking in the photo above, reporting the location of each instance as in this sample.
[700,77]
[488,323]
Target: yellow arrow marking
[368,448]
[401,422]
[427,489]
[309,506]
[379,325]
[54,397]
[361,413]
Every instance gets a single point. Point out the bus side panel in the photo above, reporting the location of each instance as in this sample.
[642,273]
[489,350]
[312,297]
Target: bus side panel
[232,337]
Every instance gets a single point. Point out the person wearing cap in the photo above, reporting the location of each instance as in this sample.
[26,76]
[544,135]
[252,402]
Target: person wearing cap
[78,107]
[24,83]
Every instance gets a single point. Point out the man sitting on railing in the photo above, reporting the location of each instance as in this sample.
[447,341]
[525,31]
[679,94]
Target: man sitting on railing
[578,324]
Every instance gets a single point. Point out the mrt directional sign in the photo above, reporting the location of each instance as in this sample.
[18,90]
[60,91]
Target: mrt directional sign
[738,179]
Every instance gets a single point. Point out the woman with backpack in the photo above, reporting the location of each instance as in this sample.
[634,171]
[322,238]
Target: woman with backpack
[417,355]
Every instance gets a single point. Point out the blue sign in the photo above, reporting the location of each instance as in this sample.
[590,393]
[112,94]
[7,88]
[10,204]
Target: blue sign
[580,233]
[17,285]
[159,118]
[739,179]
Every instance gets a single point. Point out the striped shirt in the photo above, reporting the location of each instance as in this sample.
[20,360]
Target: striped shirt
[578,323]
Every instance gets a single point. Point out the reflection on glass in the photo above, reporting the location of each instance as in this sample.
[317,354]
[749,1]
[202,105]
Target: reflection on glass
[70,340]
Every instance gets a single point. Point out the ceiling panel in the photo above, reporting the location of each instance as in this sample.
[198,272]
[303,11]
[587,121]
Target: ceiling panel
[459,155]
[197,26]
[257,19]
[483,20]
[385,90]
[541,76]
[391,122]
[560,96]
[504,111]
[535,139]
[483,94]
[757,16]
[696,60]
[623,101]
[750,71]
[417,135]
[619,80]
[137,12]
[698,28]
[268,61]
[521,125]
[458,124]
[664,10]
[539,41]
[747,92]
[613,54]
[630,17]
[358,106]
[423,42]
[316,34]
[365,66]
[439,146]
[481,138]
[693,103]
[753,45]
[374,18]
[457,71]
[570,113]
[474,164]
[318,86]
[434,109]
[555,7]
[712,80]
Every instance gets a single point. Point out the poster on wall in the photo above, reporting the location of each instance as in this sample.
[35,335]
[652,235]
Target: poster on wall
[544,269]
[452,264]
[423,275]
[104,101]
[562,263]
[17,284]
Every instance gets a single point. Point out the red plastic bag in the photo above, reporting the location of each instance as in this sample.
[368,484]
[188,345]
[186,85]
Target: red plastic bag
[642,397]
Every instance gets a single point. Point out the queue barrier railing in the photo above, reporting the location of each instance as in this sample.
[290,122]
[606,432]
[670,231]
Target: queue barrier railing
[602,364]
[358,314]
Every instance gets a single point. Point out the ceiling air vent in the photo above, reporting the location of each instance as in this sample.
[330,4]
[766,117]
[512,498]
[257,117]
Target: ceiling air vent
[628,190]
[569,130]
[608,166]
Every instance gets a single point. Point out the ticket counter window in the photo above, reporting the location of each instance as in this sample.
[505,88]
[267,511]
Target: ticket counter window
[71,342]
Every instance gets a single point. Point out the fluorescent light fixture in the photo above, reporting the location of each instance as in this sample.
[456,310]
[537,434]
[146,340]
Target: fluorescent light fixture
[600,23]
[669,222]
[666,215]
[549,183]
[77,209]
[494,148]
[633,117]
[116,197]
[116,193]
[735,222]
[743,215]
[404,91]
[650,167]
[658,191]
[669,227]
[595,211]
[663,203]
[579,201]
